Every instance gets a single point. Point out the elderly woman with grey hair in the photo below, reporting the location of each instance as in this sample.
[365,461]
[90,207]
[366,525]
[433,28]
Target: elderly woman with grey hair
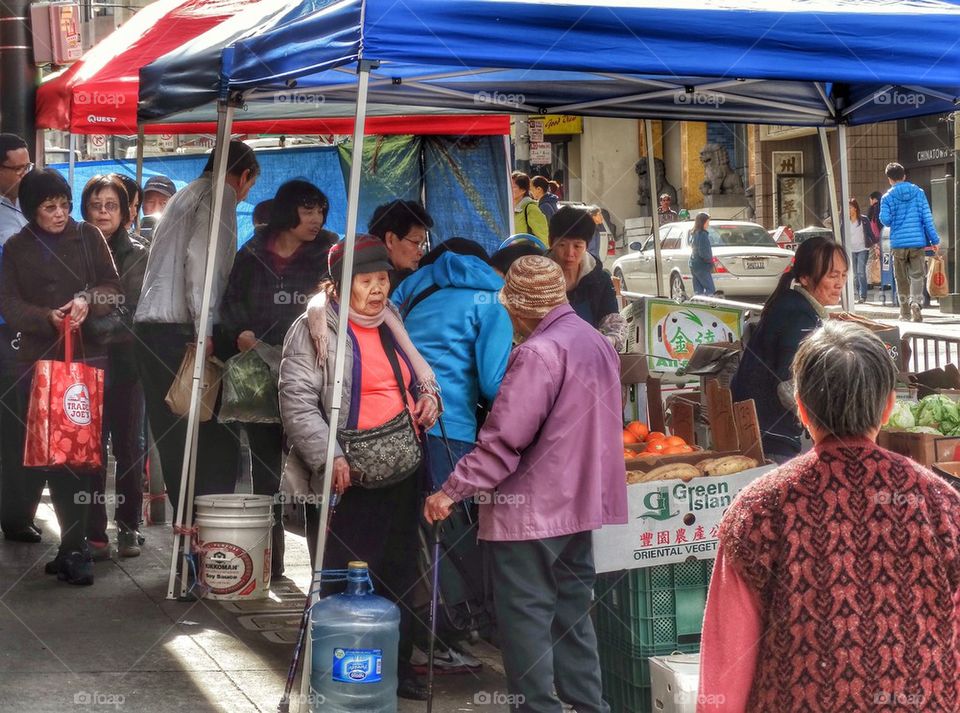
[836,580]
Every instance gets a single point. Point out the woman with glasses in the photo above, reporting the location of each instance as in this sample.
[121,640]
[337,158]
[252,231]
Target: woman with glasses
[105,205]
[43,283]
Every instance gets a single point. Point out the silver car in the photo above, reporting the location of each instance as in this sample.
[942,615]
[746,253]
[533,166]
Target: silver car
[747,261]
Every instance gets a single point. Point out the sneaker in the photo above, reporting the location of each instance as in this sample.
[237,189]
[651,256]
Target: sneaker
[76,568]
[915,314]
[128,542]
[904,312]
[448,661]
[99,551]
[53,566]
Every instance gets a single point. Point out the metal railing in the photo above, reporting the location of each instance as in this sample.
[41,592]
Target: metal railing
[927,352]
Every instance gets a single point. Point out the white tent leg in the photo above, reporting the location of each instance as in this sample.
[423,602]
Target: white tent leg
[353,208]
[188,474]
[652,177]
[72,160]
[848,292]
[506,162]
[835,216]
[136,218]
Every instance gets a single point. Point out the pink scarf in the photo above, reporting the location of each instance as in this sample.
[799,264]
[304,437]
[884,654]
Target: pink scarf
[320,332]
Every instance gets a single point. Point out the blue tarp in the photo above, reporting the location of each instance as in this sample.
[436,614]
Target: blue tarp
[461,180]
[803,62]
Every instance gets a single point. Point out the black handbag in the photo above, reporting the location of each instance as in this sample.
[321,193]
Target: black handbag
[391,452]
[115,327]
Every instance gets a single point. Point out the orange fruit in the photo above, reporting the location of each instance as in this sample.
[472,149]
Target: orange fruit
[629,437]
[628,455]
[639,429]
[656,447]
[673,450]
[655,436]
[674,441]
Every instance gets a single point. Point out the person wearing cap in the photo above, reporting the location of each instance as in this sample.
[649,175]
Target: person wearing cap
[157,192]
[376,524]
[666,213]
[590,290]
[547,471]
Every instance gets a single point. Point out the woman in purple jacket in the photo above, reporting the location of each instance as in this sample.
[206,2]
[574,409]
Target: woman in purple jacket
[547,470]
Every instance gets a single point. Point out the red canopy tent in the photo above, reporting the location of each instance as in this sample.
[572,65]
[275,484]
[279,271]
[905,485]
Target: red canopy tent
[99,93]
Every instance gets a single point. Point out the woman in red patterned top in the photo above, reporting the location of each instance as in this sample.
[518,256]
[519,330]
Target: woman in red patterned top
[836,580]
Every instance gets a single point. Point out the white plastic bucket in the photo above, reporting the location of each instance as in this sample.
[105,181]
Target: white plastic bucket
[234,545]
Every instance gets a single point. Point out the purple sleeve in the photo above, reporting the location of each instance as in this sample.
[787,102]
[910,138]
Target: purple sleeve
[525,399]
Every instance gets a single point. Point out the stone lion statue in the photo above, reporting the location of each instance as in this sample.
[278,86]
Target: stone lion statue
[720,178]
[643,190]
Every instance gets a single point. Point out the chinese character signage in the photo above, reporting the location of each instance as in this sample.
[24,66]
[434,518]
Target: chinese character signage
[789,188]
[670,521]
[674,331]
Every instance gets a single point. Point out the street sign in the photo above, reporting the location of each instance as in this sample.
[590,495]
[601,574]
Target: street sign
[540,153]
[97,144]
[535,130]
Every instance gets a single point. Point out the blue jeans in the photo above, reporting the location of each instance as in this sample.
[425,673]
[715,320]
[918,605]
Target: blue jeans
[702,280]
[860,258]
[438,460]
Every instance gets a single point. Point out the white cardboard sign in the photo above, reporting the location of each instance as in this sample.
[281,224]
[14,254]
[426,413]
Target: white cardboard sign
[669,521]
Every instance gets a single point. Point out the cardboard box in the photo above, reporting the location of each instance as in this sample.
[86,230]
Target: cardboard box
[890,336]
[674,683]
[670,521]
[924,448]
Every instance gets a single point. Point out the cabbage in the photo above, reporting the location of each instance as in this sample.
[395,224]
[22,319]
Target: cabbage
[939,412]
[902,416]
[924,429]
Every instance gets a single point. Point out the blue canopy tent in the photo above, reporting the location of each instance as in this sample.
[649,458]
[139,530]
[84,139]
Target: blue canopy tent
[823,63]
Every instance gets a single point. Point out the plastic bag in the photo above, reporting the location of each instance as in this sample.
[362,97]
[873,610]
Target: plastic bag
[249,390]
[874,271]
[937,278]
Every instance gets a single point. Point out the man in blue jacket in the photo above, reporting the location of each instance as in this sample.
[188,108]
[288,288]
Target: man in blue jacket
[905,210]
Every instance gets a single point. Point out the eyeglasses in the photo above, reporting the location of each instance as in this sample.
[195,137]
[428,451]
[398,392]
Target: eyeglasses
[110,207]
[23,169]
[422,245]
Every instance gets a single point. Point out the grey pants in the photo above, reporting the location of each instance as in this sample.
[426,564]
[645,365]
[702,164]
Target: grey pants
[910,271]
[542,592]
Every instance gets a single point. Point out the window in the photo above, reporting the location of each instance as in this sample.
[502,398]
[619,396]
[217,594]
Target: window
[722,235]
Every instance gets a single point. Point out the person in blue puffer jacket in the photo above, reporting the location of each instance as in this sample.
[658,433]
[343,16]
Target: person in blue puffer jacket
[905,210]
[451,310]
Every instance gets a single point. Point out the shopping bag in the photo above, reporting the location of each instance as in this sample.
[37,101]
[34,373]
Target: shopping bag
[249,390]
[178,395]
[65,414]
[874,272]
[937,278]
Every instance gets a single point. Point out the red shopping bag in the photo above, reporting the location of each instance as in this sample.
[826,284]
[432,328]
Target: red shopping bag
[65,413]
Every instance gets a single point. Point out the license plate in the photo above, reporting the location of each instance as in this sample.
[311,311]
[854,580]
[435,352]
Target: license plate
[755,264]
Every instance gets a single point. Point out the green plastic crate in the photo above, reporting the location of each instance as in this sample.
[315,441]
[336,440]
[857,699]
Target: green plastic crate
[653,607]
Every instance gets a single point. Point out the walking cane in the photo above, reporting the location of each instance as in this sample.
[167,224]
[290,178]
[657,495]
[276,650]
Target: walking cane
[284,706]
[435,587]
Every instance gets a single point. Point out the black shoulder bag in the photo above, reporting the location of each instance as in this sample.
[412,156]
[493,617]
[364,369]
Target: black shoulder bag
[389,453]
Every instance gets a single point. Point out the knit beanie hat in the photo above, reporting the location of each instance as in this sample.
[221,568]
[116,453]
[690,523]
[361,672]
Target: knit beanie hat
[369,255]
[534,285]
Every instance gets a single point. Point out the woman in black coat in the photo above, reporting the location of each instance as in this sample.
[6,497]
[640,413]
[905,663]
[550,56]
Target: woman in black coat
[795,309]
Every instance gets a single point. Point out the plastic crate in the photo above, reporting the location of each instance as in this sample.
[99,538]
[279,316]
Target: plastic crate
[658,607]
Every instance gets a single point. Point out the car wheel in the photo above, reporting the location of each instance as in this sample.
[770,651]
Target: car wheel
[623,280]
[677,291]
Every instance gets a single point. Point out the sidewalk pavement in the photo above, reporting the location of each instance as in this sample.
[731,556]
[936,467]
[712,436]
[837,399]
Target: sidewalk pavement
[120,645]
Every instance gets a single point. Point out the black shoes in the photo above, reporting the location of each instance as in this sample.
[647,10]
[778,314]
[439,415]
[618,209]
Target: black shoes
[27,534]
[73,568]
[412,689]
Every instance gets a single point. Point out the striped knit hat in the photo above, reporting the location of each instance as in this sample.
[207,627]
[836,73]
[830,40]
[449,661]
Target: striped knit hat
[369,255]
[534,285]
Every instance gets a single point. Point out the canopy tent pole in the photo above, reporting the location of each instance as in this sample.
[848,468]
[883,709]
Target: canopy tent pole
[349,240]
[136,218]
[654,216]
[831,183]
[508,164]
[848,290]
[72,160]
[184,516]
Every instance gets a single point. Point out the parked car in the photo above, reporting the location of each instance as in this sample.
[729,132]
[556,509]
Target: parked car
[747,261]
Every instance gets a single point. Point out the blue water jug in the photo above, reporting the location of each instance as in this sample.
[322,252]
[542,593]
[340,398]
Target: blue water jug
[354,656]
